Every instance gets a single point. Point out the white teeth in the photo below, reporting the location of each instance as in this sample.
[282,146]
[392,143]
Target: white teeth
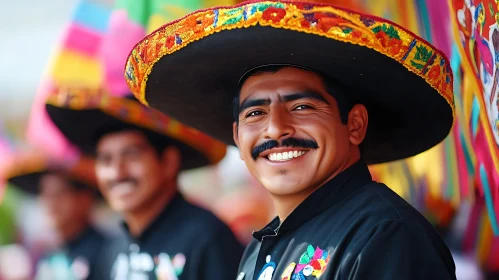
[285,155]
[122,189]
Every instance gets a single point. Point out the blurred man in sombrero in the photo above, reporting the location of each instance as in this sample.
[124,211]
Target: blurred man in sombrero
[139,154]
[311,94]
[67,194]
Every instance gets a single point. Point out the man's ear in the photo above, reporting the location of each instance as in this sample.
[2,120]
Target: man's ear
[357,124]
[171,159]
[234,135]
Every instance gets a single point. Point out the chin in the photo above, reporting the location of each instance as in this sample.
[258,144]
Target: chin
[284,186]
[122,206]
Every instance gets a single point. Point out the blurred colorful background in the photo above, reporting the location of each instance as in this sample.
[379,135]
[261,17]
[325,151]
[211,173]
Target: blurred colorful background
[85,42]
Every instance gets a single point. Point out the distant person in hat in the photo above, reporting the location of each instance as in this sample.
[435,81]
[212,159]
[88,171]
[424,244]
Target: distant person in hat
[139,155]
[311,94]
[67,195]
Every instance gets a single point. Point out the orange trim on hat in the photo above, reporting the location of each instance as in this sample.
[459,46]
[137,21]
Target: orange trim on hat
[133,112]
[385,37]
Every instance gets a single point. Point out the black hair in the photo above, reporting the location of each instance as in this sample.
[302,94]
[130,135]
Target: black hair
[333,87]
[159,142]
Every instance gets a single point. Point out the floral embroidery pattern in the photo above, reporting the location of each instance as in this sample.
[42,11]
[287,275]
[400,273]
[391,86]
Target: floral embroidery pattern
[387,38]
[135,113]
[312,263]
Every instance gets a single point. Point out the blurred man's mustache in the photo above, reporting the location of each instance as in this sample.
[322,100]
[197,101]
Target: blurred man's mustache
[288,142]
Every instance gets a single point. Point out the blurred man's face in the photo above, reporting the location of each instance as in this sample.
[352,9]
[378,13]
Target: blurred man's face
[64,204]
[129,170]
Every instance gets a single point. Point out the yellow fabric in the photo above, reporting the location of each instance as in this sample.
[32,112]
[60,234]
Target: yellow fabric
[68,68]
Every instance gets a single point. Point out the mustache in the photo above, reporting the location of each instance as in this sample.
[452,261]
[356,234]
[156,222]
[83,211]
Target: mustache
[121,181]
[288,142]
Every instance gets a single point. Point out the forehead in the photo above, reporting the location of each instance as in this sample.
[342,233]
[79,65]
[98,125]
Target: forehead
[53,181]
[116,141]
[281,81]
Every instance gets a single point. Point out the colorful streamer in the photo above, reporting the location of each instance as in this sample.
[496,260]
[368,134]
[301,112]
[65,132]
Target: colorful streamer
[476,33]
[75,63]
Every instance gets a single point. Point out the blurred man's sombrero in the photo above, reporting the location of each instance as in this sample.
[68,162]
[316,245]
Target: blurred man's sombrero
[191,68]
[85,115]
[24,170]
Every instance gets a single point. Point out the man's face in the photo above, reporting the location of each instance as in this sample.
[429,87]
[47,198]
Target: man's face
[128,170]
[290,134]
[63,204]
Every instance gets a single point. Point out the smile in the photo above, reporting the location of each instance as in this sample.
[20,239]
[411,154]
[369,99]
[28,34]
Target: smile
[122,189]
[285,156]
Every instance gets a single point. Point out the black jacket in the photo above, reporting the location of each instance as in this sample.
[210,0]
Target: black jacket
[350,228]
[78,259]
[185,240]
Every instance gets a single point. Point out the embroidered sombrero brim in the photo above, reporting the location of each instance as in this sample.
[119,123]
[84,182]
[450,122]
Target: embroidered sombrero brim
[28,183]
[25,170]
[82,115]
[190,69]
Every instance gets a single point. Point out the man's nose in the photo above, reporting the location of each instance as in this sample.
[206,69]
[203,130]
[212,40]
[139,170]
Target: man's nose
[279,125]
[118,169]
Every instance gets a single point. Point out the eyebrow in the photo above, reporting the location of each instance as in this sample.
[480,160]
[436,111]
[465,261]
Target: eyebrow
[248,103]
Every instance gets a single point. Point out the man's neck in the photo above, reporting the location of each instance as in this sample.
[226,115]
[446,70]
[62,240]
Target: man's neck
[138,221]
[285,205]
[73,230]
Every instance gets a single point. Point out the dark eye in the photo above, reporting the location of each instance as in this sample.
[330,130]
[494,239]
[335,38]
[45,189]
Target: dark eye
[133,153]
[254,113]
[103,159]
[302,107]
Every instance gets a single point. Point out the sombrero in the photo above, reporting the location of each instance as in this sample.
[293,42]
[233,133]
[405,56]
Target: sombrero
[190,69]
[25,169]
[81,114]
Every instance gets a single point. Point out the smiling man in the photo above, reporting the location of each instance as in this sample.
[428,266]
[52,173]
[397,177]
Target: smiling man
[292,134]
[317,94]
[67,195]
[139,154]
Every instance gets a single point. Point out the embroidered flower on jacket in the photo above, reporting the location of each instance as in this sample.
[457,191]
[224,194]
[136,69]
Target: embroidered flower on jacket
[312,263]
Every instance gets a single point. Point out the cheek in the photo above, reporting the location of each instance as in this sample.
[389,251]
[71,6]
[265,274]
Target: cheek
[143,169]
[335,139]
[105,173]
[248,137]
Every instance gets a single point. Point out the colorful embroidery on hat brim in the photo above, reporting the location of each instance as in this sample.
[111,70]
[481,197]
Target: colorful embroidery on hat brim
[136,114]
[383,36]
[19,168]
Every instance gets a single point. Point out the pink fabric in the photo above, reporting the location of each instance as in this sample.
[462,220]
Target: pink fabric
[462,169]
[483,156]
[4,148]
[4,154]
[493,259]
[122,36]
[42,132]
[82,40]
[439,14]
